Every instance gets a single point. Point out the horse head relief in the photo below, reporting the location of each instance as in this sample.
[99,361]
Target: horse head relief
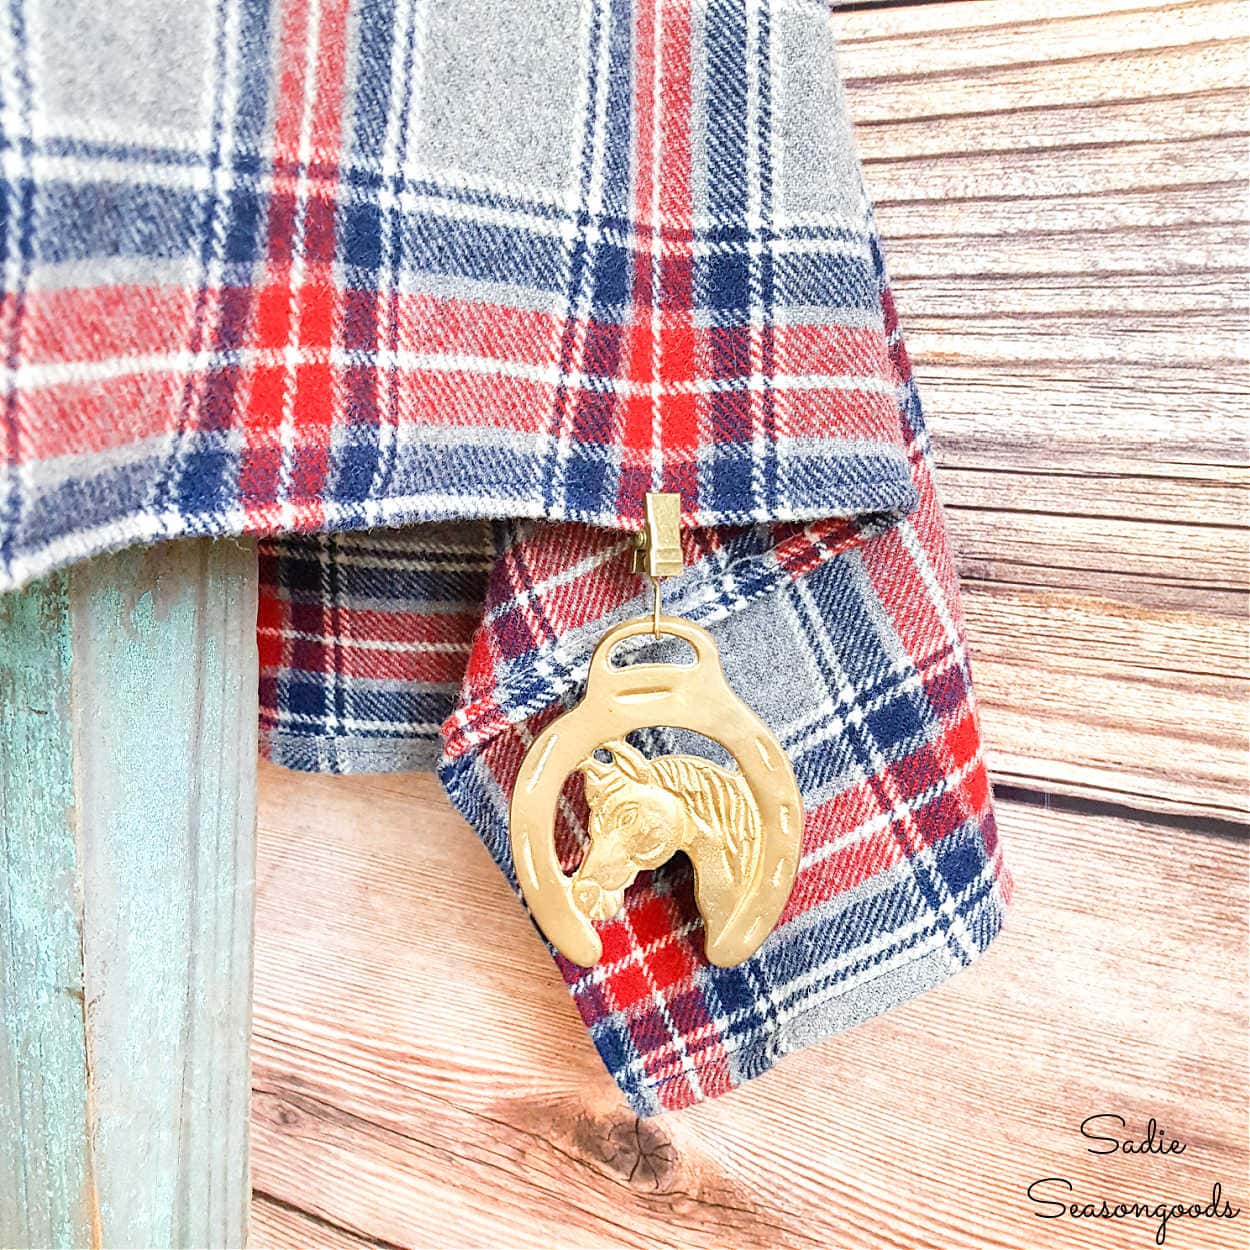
[644,811]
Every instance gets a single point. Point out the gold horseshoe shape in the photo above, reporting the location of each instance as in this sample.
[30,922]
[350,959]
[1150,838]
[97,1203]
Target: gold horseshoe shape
[742,830]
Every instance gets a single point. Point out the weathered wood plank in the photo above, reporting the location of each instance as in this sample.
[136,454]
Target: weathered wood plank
[1145,558]
[127,818]
[972,39]
[46,1189]
[1103,417]
[1213,111]
[1026,173]
[1176,493]
[1096,214]
[428,1055]
[1161,336]
[969,32]
[1062,190]
[1135,705]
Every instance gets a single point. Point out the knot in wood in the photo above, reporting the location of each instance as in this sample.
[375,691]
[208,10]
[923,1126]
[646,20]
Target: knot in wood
[640,1153]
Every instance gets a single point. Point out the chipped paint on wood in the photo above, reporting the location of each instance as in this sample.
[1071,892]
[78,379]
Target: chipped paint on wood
[127,780]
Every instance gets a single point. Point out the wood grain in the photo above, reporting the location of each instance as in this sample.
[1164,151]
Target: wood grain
[127,780]
[1062,192]
[1123,702]
[422,1078]
[45,1191]
[278,1225]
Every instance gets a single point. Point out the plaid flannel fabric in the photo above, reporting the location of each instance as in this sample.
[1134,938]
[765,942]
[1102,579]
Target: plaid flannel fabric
[491,273]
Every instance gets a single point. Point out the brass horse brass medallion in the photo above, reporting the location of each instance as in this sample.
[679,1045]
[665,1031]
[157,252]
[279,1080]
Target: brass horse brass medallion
[741,828]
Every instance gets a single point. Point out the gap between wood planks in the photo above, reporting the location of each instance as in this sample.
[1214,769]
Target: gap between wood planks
[862,6]
[1113,809]
[276,1223]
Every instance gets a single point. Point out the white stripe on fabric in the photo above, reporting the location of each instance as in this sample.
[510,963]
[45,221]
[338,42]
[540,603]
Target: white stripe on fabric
[404,645]
[404,77]
[291,353]
[33,377]
[578,304]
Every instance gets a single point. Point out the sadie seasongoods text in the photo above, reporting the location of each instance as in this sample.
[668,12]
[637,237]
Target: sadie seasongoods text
[1054,1195]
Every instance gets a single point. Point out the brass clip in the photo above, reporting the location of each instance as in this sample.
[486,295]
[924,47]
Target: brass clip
[657,549]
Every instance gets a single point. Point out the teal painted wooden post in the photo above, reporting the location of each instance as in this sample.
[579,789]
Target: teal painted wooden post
[127,839]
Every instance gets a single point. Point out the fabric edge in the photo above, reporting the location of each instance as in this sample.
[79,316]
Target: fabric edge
[311,754]
[923,970]
[893,491]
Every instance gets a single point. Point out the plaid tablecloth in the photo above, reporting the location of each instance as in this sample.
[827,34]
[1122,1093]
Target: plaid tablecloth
[484,274]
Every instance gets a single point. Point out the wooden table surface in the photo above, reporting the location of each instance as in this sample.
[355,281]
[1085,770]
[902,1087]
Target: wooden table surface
[1062,188]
